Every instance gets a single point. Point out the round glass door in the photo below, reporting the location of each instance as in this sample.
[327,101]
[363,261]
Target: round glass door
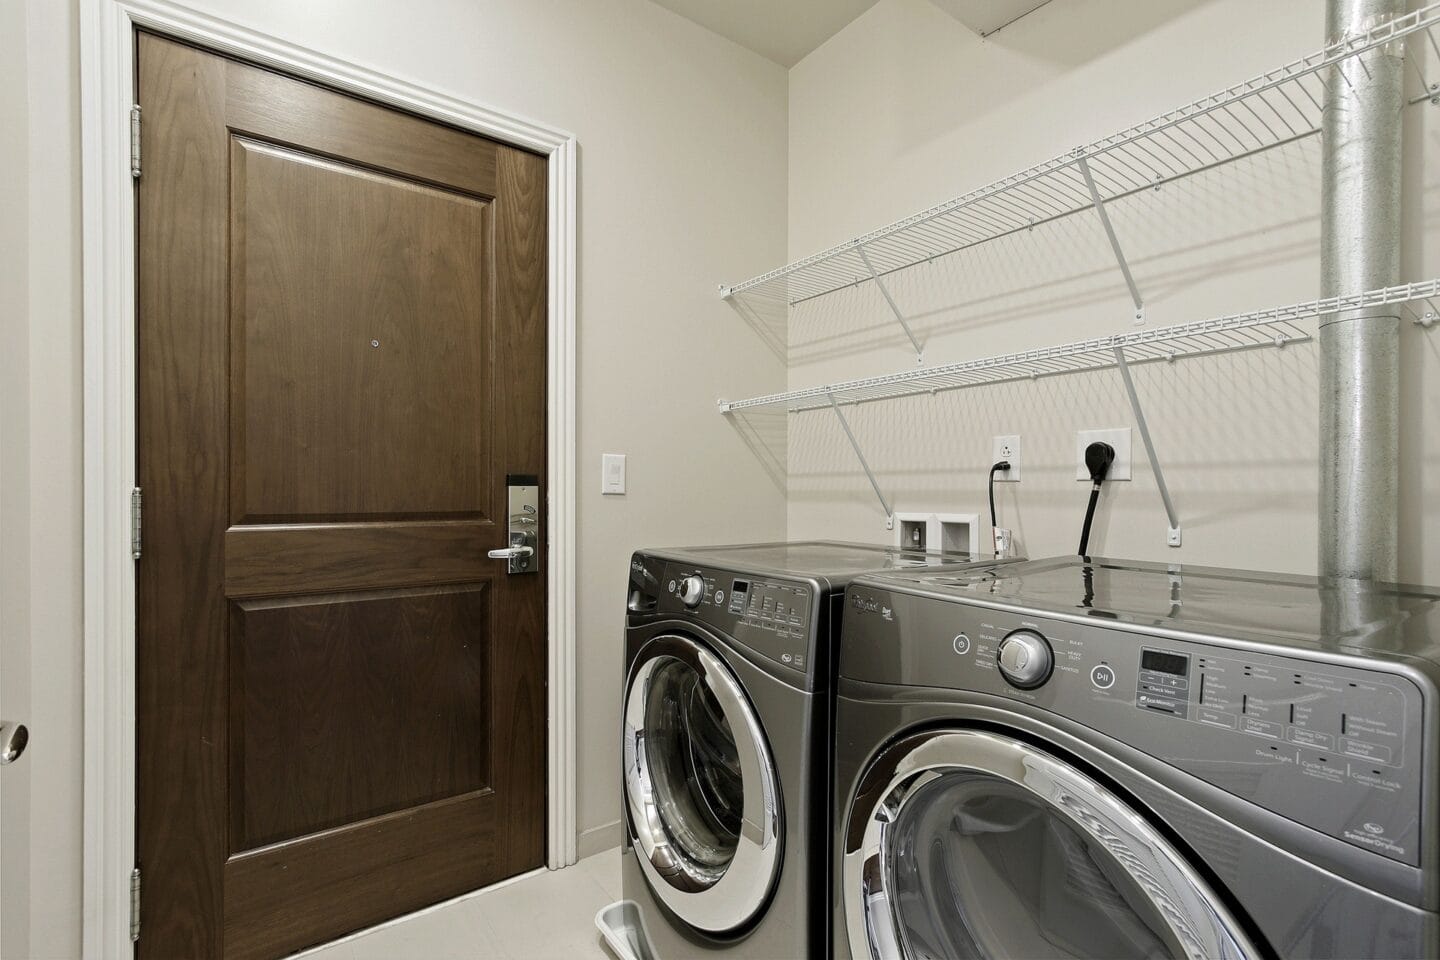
[979,846]
[700,787]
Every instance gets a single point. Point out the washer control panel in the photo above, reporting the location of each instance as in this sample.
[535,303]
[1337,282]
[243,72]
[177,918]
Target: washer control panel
[770,615]
[1334,746]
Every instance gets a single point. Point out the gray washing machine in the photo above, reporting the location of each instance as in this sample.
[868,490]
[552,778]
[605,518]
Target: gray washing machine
[728,742]
[1092,758]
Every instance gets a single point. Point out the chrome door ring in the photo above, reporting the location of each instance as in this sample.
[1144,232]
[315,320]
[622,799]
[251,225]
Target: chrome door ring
[711,901]
[1193,914]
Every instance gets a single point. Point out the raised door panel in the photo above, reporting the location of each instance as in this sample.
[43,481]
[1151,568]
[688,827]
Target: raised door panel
[360,343]
[351,706]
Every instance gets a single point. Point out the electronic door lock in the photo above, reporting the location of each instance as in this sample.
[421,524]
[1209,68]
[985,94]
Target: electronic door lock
[523,524]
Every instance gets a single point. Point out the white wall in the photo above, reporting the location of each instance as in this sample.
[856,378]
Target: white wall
[682,181]
[906,108]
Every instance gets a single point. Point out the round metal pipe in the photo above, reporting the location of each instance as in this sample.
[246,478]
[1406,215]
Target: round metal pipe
[1360,350]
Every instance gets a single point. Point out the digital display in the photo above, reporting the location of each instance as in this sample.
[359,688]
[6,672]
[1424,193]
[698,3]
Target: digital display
[1176,664]
[740,586]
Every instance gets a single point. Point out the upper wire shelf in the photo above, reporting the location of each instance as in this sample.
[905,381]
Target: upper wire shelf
[1271,110]
[1274,327]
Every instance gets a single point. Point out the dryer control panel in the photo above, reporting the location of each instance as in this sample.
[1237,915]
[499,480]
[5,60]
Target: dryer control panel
[1333,745]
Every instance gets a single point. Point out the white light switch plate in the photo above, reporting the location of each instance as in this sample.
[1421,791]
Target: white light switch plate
[612,473]
[1118,438]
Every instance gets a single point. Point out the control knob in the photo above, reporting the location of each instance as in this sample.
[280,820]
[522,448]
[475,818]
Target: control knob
[692,590]
[1025,659]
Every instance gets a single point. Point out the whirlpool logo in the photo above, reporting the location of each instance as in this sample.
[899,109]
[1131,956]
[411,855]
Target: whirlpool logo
[870,605]
[1374,829]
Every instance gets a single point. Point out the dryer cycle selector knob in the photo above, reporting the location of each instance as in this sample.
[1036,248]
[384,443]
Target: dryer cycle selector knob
[692,590]
[1025,659]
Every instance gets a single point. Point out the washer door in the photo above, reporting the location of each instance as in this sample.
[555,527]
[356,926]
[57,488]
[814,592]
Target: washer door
[965,844]
[700,787]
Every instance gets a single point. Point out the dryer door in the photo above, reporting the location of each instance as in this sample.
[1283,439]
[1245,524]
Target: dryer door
[700,787]
[967,844]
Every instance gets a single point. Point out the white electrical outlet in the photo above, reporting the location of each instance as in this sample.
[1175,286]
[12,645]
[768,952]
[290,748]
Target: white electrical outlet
[1008,449]
[1119,438]
[612,473]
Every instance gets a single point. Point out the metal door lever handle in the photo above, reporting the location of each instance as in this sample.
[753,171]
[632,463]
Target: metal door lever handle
[511,553]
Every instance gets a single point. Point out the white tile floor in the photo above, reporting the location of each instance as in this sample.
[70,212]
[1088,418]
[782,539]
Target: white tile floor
[547,915]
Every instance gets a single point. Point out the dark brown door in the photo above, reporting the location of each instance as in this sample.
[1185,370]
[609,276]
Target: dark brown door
[341,699]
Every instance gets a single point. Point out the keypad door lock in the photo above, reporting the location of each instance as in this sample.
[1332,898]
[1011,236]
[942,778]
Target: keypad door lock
[523,525]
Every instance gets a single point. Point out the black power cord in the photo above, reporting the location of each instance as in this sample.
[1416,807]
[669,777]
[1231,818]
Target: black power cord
[996,468]
[1098,457]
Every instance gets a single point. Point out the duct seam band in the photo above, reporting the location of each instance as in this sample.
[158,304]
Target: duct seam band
[1331,319]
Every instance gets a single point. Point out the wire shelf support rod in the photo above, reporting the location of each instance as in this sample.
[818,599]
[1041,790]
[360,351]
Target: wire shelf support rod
[1115,247]
[894,308]
[864,464]
[1172,537]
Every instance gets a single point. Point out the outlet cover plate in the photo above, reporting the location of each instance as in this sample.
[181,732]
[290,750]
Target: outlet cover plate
[1007,448]
[1119,438]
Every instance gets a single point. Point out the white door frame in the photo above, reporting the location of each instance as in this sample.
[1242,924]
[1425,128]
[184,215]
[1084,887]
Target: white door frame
[107,62]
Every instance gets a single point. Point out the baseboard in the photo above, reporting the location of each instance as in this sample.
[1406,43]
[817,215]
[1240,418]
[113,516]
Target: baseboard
[598,839]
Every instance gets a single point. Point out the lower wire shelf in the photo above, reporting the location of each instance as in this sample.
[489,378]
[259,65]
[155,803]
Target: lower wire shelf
[1276,327]
[1242,331]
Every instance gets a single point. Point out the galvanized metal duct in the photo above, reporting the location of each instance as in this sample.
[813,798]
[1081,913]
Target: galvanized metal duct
[1360,350]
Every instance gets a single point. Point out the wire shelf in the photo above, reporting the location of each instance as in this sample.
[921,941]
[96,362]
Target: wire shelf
[1271,110]
[1276,327]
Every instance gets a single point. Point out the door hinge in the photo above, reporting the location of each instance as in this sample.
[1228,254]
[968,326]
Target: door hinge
[135,505]
[135,140]
[135,905]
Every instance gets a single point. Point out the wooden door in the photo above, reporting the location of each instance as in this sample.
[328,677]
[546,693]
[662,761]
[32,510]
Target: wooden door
[341,699]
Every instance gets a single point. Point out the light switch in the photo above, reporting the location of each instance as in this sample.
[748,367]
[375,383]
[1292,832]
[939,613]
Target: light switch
[612,473]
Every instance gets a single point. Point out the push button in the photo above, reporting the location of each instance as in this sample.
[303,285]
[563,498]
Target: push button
[1103,677]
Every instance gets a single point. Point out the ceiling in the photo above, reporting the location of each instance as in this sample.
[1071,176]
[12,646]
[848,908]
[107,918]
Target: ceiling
[780,30]
[987,16]
[786,31]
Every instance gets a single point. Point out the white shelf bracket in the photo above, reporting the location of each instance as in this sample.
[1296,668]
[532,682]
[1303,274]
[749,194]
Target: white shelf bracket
[845,425]
[1173,535]
[1429,318]
[1114,240]
[894,308]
